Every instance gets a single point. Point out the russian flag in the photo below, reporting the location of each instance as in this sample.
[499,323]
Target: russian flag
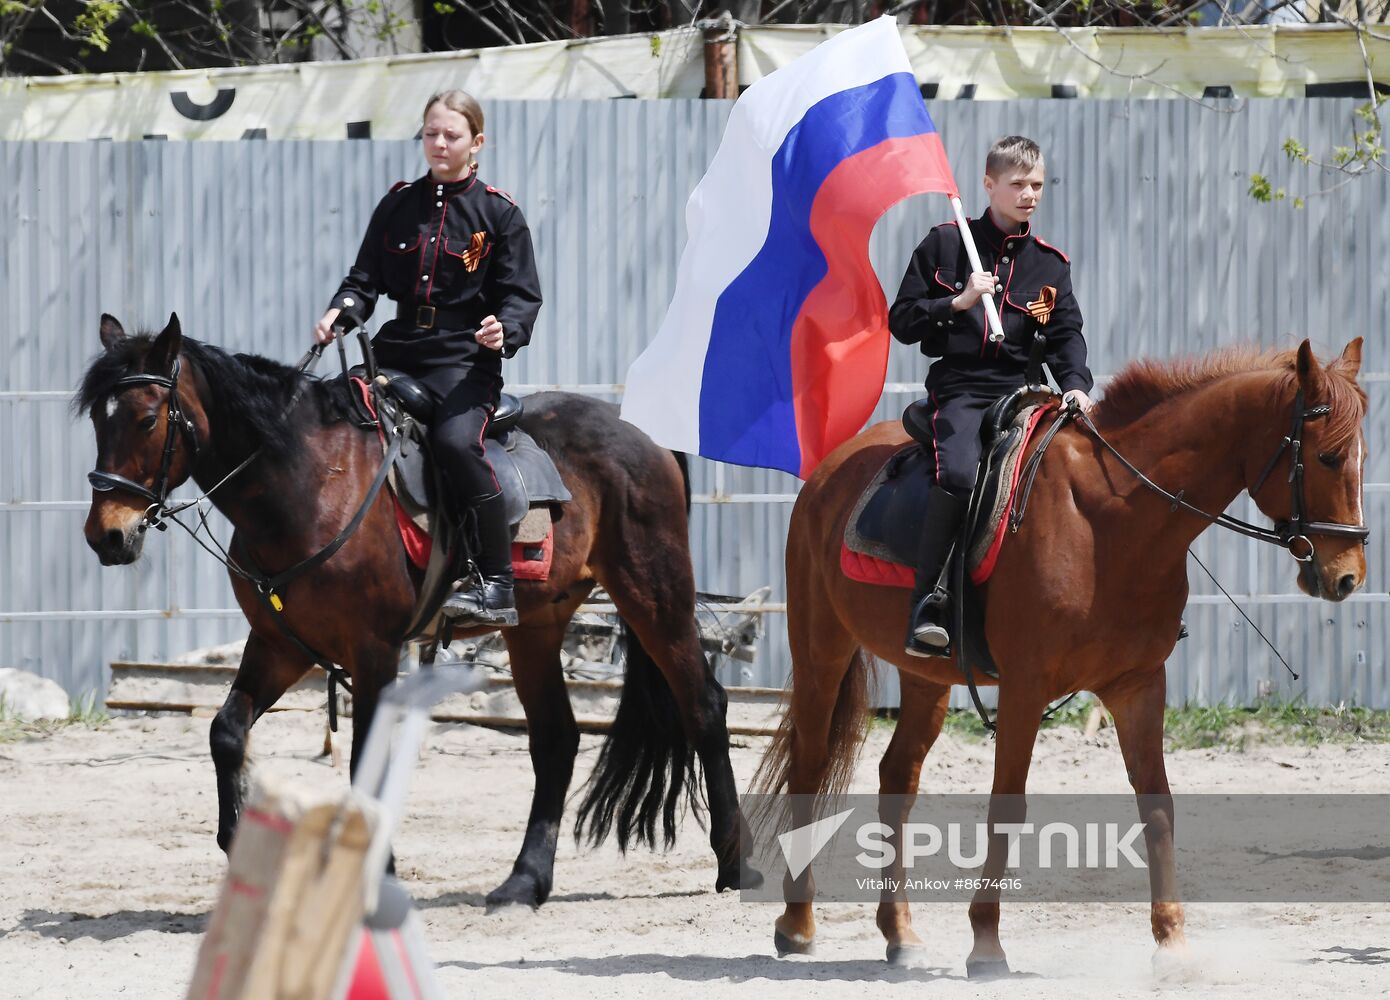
[775,346]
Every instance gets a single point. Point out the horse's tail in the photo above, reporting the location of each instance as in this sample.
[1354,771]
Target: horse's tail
[646,766]
[849,723]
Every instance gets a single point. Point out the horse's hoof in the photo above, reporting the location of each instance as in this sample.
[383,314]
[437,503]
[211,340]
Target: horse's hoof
[738,878]
[516,891]
[994,968]
[907,956]
[788,945]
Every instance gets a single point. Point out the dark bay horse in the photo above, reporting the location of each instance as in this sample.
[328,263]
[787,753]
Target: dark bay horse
[168,408]
[1086,596]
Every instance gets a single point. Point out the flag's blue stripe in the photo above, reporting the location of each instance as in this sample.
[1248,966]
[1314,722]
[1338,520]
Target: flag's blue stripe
[746,413]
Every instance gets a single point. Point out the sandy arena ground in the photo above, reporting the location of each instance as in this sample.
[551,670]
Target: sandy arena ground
[110,869]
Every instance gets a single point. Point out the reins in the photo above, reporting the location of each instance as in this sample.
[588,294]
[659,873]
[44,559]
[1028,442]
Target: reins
[1287,534]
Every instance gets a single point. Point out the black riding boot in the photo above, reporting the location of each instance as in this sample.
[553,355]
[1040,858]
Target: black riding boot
[927,631]
[491,601]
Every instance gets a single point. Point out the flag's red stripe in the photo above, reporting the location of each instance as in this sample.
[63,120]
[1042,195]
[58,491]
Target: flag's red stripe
[840,337]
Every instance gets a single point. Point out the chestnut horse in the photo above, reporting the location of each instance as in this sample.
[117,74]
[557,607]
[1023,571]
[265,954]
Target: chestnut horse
[168,408]
[1065,608]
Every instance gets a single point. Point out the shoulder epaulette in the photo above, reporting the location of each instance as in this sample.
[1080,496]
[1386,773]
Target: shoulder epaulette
[398,185]
[499,191]
[1048,246]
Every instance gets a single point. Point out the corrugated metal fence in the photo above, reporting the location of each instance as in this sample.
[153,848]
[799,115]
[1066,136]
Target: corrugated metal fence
[246,240]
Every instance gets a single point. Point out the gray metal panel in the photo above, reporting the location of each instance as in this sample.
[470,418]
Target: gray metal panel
[247,239]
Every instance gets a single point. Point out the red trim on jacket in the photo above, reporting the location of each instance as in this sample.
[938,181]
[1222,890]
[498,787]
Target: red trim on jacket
[1048,246]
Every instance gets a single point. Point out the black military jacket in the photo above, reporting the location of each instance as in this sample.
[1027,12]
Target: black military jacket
[460,249]
[1032,290]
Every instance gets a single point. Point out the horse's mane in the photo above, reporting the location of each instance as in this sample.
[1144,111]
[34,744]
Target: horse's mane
[250,390]
[1144,384]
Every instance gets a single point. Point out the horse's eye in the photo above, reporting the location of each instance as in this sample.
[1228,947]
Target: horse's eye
[148,423]
[1332,461]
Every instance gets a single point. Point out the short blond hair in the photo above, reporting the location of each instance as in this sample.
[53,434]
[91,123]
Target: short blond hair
[1015,152]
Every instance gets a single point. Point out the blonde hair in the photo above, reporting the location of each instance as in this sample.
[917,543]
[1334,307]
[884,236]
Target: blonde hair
[465,104]
[1012,152]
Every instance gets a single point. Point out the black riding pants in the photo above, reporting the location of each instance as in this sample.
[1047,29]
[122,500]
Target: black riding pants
[955,423]
[458,431]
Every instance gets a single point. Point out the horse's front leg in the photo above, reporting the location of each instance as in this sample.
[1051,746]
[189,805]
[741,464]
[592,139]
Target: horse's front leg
[1020,714]
[1138,712]
[266,672]
[376,666]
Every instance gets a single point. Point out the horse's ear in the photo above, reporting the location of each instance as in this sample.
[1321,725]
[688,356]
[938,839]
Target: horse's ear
[1350,361]
[1309,370]
[160,359]
[112,333]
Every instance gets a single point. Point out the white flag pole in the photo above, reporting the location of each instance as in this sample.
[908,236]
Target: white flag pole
[996,329]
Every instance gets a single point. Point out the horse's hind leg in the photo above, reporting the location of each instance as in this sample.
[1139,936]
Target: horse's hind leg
[553,737]
[266,672]
[1137,705]
[920,719]
[825,660]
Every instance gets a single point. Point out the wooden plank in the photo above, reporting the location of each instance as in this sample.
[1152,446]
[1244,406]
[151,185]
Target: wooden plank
[197,687]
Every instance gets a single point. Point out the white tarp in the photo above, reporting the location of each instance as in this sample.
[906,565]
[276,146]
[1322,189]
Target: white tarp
[383,97]
[989,63]
[380,98]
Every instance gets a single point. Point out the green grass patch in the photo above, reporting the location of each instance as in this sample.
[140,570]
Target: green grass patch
[84,710]
[1277,722]
[1220,726]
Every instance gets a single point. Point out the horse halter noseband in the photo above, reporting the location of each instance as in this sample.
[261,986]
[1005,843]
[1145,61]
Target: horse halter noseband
[176,421]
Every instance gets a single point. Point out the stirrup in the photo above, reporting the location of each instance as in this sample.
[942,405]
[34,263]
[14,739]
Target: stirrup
[928,640]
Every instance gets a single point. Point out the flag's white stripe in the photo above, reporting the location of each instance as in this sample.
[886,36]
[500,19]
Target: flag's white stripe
[727,220]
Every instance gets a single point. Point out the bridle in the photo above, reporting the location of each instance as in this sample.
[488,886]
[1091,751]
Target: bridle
[1296,529]
[176,422]
[266,585]
[1292,533]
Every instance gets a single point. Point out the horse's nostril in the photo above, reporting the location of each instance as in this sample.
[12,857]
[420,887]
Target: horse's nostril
[1346,585]
[113,539]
